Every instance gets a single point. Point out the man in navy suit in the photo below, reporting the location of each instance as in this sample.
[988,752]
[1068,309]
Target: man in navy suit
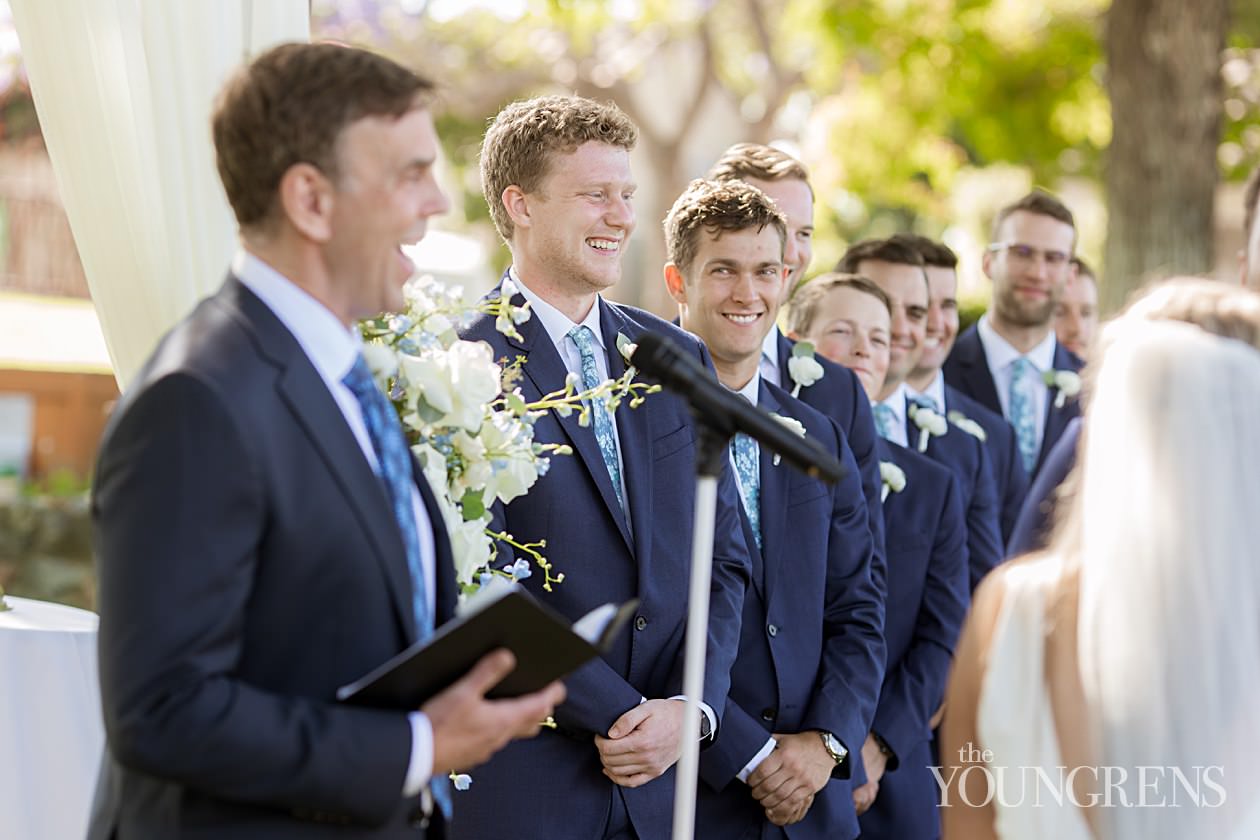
[837,393]
[616,517]
[1009,361]
[849,317]
[897,269]
[262,532]
[811,652]
[927,381]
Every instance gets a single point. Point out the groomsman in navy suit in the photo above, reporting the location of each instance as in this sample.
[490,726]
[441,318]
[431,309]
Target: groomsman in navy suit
[926,380]
[898,270]
[616,516]
[849,318]
[811,652]
[1009,361]
[837,392]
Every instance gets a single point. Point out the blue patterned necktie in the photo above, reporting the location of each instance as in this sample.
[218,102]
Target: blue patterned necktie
[1021,404]
[600,418]
[745,455]
[395,463]
[884,420]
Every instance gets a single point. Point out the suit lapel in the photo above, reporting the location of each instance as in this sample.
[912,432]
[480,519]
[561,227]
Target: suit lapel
[317,414]
[545,369]
[774,495]
[1057,418]
[633,433]
[974,371]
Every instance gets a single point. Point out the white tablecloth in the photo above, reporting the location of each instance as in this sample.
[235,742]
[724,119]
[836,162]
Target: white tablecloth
[51,736]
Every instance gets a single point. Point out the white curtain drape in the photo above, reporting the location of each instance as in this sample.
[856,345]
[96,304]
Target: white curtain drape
[124,90]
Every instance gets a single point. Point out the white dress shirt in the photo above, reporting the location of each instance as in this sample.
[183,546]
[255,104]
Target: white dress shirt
[769,364]
[1002,357]
[332,350]
[935,391]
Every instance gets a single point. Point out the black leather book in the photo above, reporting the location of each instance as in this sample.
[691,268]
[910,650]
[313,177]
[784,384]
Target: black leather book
[547,647]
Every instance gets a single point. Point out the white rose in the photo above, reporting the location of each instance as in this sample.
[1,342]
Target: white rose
[381,360]
[457,382]
[804,370]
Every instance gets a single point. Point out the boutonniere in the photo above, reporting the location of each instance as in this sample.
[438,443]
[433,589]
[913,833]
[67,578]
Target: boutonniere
[626,347]
[791,423]
[803,367]
[929,423]
[1066,382]
[968,425]
[894,478]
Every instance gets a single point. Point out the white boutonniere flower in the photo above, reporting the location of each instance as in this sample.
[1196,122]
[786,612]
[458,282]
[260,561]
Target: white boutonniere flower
[626,347]
[791,423]
[893,477]
[803,367]
[968,425]
[929,423]
[1066,382]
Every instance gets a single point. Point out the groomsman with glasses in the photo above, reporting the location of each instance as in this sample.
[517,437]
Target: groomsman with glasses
[1010,361]
[811,650]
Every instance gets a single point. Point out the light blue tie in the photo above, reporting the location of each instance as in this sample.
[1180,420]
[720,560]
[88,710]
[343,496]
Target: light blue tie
[747,466]
[601,419]
[1022,417]
[395,463]
[884,420]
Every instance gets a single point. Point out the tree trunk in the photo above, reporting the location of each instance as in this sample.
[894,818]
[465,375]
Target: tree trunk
[1164,80]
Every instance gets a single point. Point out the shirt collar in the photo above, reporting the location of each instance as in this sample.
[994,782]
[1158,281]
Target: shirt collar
[556,323]
[331,347]
[935,391]
[897,402]
[1001,354]
[752,390]
[770,347]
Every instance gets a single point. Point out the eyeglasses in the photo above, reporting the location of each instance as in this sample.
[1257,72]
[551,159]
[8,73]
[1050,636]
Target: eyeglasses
[1027,254]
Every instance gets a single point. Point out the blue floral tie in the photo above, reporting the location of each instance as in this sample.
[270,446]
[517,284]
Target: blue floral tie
[1021,405]
[395,462]
[744,452]
[884,420]
[600,417]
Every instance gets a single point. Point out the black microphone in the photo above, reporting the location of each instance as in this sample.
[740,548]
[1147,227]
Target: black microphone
[726,411]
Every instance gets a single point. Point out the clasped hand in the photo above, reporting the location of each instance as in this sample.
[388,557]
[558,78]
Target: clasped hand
[643,743]
[787,780]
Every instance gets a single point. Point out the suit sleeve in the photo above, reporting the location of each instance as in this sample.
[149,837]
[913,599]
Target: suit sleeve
[861,440]
[853,652]
[178,540]
[916,686]
[1013,486]
[984,535]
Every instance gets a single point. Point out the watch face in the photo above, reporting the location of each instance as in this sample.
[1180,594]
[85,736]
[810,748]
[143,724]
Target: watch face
[837,750]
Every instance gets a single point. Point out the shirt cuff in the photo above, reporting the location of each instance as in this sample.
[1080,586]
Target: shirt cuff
[753,764]
[704,710]
[420,767]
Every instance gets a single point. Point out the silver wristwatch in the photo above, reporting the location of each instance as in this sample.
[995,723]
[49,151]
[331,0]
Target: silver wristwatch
[834,748]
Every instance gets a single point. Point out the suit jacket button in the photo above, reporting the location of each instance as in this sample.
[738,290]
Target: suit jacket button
[768,715]
[640,623]
[772,630]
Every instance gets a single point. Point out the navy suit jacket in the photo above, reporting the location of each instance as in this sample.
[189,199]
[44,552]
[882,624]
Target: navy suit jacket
[811,652]
[1008,471]
[553,785]
[966,457]
[927,598]
[249,564]
[967,369]
[839,395]
[1032,530]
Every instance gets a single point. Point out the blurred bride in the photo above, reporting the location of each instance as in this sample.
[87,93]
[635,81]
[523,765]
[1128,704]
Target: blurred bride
[1130,650]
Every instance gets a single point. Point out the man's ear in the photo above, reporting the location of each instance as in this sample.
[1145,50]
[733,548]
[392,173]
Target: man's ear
[675,283]
[516,203]
[306,200]
[986,260]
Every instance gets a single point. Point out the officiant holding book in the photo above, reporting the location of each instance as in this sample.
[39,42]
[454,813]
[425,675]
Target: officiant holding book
[263,533]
